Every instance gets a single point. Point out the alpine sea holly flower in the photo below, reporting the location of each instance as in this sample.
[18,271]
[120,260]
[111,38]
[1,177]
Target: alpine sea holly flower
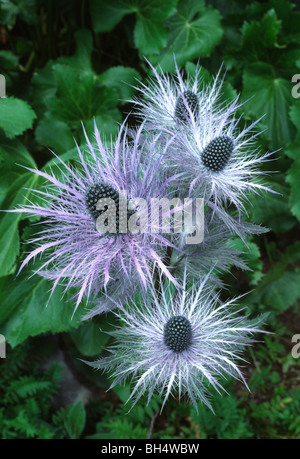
[75,253]
[178,343]
[217,160]
[172,103]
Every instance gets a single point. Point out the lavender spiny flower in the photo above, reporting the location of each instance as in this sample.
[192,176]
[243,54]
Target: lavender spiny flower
[73,249]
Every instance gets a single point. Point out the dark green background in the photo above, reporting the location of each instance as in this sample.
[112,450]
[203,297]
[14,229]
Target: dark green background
[67,62]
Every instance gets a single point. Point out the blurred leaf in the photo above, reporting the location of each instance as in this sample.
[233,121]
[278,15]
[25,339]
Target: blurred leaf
[27,11]
[28,310]
[281,292]
[8,60]
[13,193]
[261,33]
[295,114]
[106,15]
[75,420]
[92,336]
[8,12]
[279,288]
[293,177]
[272,210]
[16,116]
[43,88]
[81,60]
[258,38]
[150,35]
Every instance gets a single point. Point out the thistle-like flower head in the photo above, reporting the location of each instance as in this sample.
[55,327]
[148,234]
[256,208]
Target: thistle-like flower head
[221,162]
[74,251]
[170,102]
[218,160]
[179,343]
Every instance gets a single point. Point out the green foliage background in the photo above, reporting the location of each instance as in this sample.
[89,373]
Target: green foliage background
[75,61]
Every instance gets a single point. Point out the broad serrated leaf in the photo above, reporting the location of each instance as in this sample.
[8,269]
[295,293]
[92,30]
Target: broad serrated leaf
[259,36]
[80,97]
[270,97]
[81,60]
[16,116]
[150,34]
[195,30]
[293,176]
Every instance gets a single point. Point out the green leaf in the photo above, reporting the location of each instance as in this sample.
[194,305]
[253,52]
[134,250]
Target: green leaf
[272,210]
[107,124]
[262,33]
[270,97]
[150,34]
[281,292]
[81,60]
[251,254]
[295,114]
[8,60]
[79,96]
[16,116]
[53,133]
[258,38]
[195,32]
[43,88]
[92,336]
[106,15]
[123,79]
[75,420]
[27,11]
[13,193]
[8,12]
[31,309]
[279,288]
[293,177]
